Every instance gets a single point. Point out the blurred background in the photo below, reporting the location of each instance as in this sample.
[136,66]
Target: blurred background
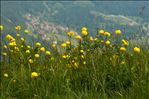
[52,19]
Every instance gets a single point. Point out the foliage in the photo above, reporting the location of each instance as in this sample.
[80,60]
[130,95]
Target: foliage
[104,66]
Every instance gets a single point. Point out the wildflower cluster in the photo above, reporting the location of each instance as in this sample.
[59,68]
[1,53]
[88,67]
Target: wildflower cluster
[98,61]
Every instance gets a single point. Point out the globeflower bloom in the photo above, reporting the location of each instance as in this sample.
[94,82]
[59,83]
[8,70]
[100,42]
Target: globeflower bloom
[84,62]
[84,29]
[71,33]
[18,27]
[84,33]
[26,31]
[6,75]
[68,42]
[82,56]
[10,38]
[136,49]
[36,55]
[65,56]
[122,49]
[22,39]
[27,51]
[107,42]
[101,31]
[96,39]
[17,34]
[78,37]
[12,44]
[48,53]
[125,42]
[28,46]
[63,45]
[75,65]
[38,44]
[42,49]
[34,75]
[118,32]
[1,27]
[16,48]
[107,34]
[53,45]
[31,61]
[81,51]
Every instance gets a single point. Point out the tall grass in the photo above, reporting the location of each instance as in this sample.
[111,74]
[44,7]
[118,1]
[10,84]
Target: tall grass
[93,69]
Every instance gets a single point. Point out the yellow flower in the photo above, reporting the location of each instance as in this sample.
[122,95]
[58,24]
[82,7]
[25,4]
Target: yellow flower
[70,33]
[10,38]
[136,49]
[4,53]
[91,38]
[82,56]
[31,61]
[96,39]
[68,42]
[78,37]
[1,27]
[22,39]
[38,44]
[84,62]
[26,31]
[22,46]
[84,33]
[6,75]
[34,75]
[27,51]
[107,34]
[65,56]
[17,34]
[75,65]
[16,48]
[84,29]
[36,55]
[81,51]
[12,44]
[28,46]
[101,31]
[18,27]
[118,32]
[63,45]
[107,42]
[125,42]
[53,45]
[5,46]
[123,49]
[48,53]
[42,49]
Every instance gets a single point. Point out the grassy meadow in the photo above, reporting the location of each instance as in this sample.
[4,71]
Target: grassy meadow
[106,66]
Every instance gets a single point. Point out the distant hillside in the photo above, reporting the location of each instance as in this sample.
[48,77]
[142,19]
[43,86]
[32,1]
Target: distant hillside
[130,16]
